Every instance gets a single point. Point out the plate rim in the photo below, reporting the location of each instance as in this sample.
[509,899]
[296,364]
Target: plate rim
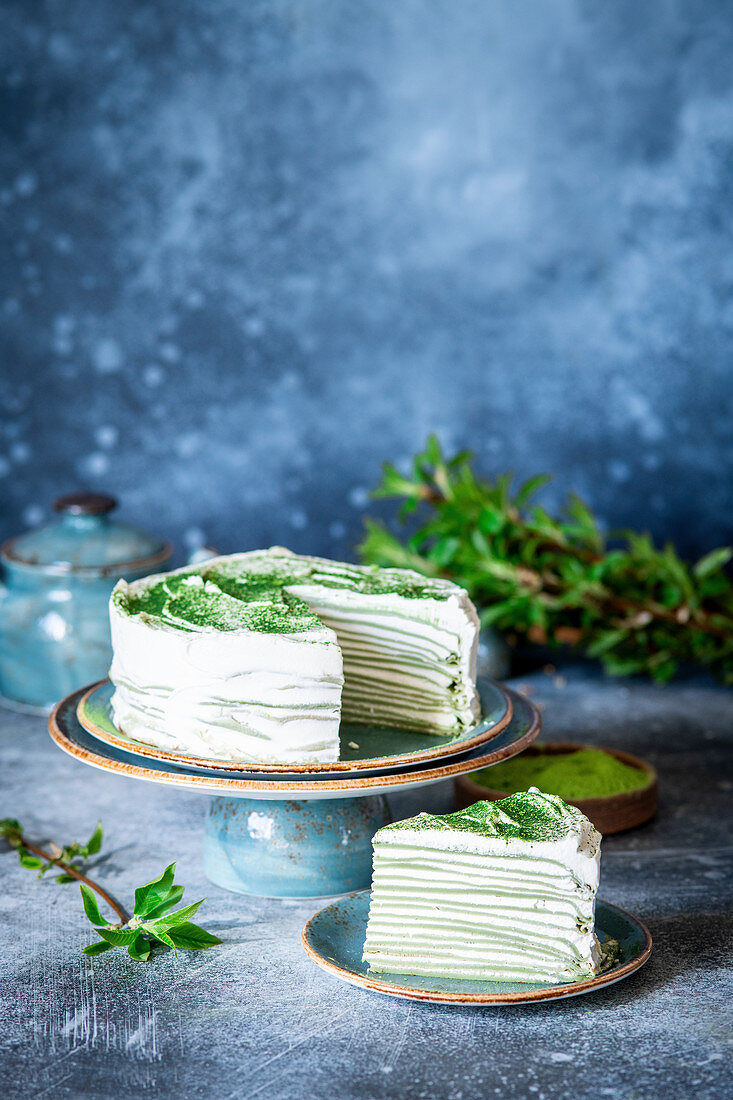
[529,996]
[372,763]
[281,788]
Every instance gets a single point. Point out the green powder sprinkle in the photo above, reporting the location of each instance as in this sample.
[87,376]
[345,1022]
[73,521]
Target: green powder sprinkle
[528,815]
[254,592]
[586,773]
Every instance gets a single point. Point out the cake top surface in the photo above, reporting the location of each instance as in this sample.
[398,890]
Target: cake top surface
[529,816]
[257,591]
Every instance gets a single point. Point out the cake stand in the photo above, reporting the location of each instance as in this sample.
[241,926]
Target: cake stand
[292,834]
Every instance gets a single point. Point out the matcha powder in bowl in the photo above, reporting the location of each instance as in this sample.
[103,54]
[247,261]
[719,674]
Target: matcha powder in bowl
[615,790]
[587,773]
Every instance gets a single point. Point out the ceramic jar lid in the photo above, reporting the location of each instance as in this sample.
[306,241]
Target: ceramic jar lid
[86,539]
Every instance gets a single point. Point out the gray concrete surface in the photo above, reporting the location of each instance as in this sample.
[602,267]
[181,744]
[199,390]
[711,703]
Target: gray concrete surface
[255,1018]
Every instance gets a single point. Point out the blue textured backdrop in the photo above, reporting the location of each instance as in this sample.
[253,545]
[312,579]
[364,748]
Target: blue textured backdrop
[253,248]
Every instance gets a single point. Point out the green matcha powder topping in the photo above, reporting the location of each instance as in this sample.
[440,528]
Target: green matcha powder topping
[253,594]
[528,815]
[586,773]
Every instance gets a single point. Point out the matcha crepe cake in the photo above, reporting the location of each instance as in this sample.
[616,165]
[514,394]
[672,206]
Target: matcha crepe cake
[502,891]
[259,656]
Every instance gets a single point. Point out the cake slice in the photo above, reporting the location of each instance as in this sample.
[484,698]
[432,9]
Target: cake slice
[501,891]
[260,656]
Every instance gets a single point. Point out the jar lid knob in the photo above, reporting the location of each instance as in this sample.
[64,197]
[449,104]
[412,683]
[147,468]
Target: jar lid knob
[85,504]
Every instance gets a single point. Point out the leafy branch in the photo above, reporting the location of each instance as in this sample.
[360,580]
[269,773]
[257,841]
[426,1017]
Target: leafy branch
[557,579]
[152,922]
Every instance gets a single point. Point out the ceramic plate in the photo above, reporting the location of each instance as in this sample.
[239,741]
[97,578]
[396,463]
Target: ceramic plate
[363,748]
[334,938]
[70,735]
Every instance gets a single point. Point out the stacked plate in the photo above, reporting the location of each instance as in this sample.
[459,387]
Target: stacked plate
[372,760]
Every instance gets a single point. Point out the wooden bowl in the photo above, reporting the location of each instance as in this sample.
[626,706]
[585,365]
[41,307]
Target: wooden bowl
[611,814]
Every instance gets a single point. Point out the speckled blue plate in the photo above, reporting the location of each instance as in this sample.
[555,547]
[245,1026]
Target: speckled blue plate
[334,939]
[362,748]
[69,734]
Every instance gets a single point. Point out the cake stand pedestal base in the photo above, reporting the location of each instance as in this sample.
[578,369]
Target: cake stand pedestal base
[292,849]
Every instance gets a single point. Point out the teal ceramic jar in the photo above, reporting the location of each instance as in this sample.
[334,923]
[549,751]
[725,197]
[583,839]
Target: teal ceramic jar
[57,580]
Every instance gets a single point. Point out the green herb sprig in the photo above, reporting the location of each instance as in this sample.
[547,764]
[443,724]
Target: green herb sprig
[557,579]
[154,921]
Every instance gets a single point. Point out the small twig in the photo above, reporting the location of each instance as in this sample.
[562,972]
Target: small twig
[69,870]
[154,921]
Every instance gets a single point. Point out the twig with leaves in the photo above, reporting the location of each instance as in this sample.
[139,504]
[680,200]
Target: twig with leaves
[152,924]
[557,579]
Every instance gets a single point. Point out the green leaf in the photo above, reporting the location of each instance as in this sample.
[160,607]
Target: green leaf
[95,840]
[175,895]
[192,937]
[11,830]
[606,641]
[165,938]
[664,670]
[97,948]
[480,544]
[578,510]
[394,484]
[170,920]
[91,906]
[118,937]
[713,561]
[496,611]
[66,878]
[530,488]
[630,667]
[491,521]
[29,861]
[433,451]
[140,949]
[152,893]
[444,550]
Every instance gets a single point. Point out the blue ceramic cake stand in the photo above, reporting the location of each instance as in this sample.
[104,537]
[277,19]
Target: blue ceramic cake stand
[292,834]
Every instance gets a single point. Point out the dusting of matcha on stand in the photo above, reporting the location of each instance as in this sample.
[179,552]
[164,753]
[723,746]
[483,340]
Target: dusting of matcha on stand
[586,773]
